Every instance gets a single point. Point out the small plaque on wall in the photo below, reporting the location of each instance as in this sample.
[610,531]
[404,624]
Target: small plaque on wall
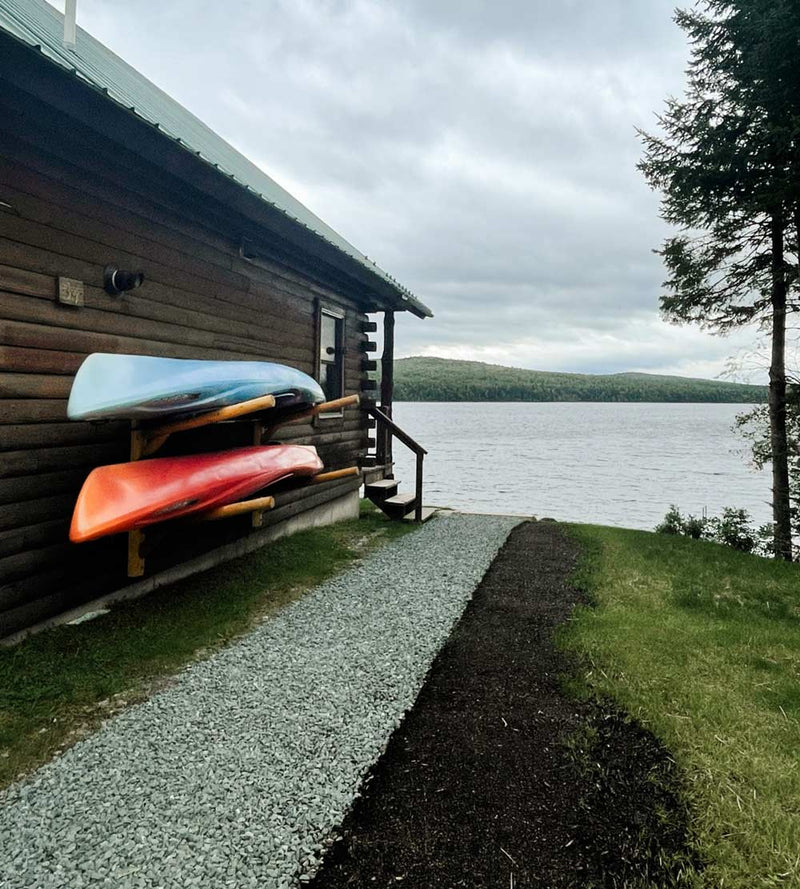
[70,292]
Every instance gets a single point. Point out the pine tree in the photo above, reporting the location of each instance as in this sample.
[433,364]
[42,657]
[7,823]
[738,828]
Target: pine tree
[728,164]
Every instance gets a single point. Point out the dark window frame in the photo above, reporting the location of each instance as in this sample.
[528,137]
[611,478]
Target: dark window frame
[340,315]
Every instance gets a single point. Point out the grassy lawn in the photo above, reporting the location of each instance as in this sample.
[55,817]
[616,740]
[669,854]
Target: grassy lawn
[702,645]
[57,686]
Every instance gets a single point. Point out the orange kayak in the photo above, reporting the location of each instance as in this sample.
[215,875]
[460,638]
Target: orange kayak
[133,495]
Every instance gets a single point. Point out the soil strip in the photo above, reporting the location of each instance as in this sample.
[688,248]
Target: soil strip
[499,778]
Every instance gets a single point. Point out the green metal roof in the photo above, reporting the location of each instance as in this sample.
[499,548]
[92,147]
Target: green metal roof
[38,24]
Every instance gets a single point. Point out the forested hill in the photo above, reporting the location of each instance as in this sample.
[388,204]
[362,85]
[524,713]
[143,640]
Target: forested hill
[441,379]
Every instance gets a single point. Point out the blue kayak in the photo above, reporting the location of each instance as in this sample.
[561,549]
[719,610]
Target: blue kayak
[140,387]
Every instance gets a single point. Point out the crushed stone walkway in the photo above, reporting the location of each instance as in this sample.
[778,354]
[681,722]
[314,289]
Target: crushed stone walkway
[236,775]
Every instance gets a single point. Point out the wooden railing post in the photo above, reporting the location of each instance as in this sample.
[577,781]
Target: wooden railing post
[418,508]
[380,444]
[387,380]
[392,429]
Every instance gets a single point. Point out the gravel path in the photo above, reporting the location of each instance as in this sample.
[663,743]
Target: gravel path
[235,776]
[500,778]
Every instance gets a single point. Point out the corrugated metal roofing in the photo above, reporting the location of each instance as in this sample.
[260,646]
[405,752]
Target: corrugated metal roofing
[38,24]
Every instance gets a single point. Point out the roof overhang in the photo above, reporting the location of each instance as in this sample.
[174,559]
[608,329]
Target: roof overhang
[73,95]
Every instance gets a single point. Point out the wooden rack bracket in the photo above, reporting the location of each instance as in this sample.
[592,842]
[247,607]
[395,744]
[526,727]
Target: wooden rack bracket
[155,438]
[334,405]
[137,443]
[260,504]
[136,538]
[335,474]
[135,558]
[257,517]
[146,441]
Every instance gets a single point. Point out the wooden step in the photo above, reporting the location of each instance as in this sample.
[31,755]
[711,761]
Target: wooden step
[383,485]
[376,472]
[399,506]
[427,512]
[379,491]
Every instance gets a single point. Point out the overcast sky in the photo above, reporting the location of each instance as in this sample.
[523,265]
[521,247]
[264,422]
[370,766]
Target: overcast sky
[483,153]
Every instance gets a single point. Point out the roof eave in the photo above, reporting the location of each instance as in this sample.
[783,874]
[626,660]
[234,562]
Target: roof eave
[194,169]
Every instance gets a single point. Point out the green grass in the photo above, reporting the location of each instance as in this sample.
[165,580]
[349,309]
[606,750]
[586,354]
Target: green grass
[702,645]
[57,686]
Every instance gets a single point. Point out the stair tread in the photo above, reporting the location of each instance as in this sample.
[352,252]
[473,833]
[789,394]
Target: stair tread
[400,500]
[427,512]
[376,473]
[383,483]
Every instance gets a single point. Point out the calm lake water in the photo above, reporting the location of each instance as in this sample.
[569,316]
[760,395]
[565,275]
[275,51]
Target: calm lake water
[612,464]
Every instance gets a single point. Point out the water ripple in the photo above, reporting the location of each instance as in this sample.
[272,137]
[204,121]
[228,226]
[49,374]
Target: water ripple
[614,464]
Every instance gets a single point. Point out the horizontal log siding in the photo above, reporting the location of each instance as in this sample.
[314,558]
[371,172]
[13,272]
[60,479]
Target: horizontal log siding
[77,209]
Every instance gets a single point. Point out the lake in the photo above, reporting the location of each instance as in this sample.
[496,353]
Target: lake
[611,464]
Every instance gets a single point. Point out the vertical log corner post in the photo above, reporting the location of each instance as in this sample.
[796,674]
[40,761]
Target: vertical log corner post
[387,386]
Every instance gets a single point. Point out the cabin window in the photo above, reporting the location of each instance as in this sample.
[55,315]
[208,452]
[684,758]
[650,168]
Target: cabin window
[331,353]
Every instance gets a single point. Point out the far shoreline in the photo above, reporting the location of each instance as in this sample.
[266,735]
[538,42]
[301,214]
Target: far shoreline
[568,401]
[446,380]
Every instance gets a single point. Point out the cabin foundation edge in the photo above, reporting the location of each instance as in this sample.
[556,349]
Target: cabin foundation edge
[337,510]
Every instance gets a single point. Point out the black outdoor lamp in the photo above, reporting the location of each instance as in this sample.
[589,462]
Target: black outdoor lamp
[116,281]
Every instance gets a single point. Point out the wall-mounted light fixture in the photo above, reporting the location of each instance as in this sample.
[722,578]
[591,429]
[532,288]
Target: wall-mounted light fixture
[5,207]
[116,281]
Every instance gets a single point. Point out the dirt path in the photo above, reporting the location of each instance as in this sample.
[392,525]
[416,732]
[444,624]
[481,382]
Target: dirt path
[497,778]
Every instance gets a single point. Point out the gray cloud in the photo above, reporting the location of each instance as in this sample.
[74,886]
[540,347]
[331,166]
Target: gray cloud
[482,153]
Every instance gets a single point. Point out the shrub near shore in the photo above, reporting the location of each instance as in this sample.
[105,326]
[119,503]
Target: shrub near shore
[732,528]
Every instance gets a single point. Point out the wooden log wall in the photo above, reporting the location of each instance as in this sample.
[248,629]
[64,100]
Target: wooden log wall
[69,205]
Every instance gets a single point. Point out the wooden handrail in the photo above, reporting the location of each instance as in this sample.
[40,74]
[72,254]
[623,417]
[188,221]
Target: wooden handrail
[393,429]
[407,440]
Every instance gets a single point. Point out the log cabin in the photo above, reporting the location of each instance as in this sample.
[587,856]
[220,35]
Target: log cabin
[101,170]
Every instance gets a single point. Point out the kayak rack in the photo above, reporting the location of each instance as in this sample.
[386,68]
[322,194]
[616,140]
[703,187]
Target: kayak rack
[315,411]
[262,504]
[145,441]
[257,507]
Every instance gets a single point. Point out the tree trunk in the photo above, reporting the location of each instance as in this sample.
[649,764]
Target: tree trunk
[781,513]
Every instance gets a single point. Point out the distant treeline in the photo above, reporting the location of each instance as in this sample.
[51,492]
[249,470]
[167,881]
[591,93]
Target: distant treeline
[441,379]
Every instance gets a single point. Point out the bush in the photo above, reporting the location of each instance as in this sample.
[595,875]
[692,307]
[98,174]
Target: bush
[766,540]
[672,522]
[695,527]
[732,529]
